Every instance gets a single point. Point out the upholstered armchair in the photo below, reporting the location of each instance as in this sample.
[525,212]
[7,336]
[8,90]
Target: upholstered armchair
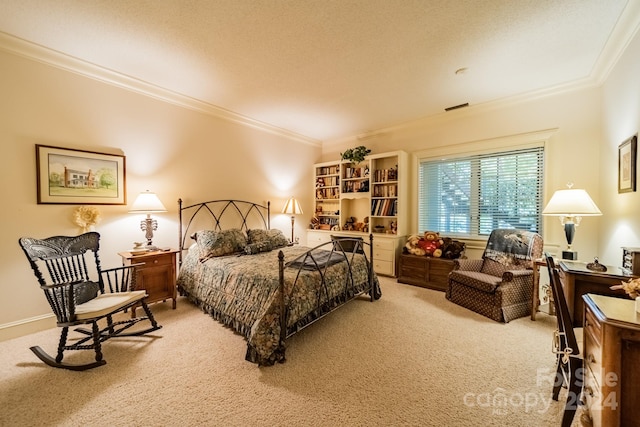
[500,285]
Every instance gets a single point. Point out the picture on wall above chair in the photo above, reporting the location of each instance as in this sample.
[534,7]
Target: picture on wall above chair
[67,176]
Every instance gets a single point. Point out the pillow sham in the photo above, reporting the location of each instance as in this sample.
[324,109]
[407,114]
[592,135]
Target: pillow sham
[218,243]
[256,248]
[274,236]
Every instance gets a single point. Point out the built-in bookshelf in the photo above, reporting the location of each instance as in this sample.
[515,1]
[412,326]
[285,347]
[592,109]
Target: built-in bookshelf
[356,199]
[327,197]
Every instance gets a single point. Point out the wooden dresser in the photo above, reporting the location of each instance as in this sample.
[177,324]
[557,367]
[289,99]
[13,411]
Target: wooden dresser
[612,360]
[427,272]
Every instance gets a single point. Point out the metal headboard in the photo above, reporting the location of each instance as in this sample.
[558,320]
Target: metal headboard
[221,215]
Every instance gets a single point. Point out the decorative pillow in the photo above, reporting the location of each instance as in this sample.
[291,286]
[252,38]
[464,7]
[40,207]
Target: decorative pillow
[218,243]
[256,248]
[85,291]
[274,236]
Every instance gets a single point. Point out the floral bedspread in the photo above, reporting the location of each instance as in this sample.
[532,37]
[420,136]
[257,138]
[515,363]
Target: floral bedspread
[241,291]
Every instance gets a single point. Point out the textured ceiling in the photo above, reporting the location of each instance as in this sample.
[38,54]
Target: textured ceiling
[328,69]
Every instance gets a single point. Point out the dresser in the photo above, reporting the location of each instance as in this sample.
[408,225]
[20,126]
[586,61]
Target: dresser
[426,272]
[612,360]
[155,273]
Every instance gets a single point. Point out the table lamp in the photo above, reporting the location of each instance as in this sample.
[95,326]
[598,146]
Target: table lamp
[148,203]
[570,206]
[292,207]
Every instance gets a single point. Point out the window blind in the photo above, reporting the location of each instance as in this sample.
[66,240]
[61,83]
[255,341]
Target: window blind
[473,195]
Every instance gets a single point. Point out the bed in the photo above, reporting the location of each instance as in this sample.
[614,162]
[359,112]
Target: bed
[251,279]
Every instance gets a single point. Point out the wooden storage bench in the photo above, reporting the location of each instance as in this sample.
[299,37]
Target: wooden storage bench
[427,272]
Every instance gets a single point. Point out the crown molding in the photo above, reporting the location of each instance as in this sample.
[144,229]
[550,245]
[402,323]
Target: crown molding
[618,41]
[44,55]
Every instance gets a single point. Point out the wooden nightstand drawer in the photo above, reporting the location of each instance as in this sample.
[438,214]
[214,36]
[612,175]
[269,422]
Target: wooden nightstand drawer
[155,260]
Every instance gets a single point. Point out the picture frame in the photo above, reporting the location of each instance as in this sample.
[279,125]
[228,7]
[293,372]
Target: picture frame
[78,177]
[627,165]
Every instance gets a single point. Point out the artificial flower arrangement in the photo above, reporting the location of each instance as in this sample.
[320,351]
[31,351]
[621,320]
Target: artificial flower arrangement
[86,217]
[632,287]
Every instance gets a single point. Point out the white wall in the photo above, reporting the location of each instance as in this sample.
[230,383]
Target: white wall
[621,119]
[174,151]
[572,152]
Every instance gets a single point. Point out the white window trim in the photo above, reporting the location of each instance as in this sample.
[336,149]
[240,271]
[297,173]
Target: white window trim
[484,146]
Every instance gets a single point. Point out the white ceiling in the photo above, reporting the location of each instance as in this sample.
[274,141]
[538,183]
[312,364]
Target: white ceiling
[327,69]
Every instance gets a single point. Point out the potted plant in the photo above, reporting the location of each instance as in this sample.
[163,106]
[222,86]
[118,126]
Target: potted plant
[355,155]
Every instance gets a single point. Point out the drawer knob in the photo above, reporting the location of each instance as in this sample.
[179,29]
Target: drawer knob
[591,358]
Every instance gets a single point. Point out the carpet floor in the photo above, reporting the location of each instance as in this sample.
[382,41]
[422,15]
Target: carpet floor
[410,359]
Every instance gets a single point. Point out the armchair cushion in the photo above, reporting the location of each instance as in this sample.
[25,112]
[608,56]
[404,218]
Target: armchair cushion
[475,279]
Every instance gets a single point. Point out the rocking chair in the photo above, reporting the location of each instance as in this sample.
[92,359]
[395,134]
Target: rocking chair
[77,298]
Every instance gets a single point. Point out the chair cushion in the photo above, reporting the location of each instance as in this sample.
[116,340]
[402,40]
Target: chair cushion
[481,281]
[107,303]
[85,291]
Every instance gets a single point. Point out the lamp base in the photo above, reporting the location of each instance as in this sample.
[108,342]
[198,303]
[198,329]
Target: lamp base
[570,255]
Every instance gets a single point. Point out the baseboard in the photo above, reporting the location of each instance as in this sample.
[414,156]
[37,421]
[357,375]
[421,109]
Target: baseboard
[26,326]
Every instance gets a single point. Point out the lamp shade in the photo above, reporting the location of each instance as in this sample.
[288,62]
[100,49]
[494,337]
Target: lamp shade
[571,202]
[147,202]
[292,207]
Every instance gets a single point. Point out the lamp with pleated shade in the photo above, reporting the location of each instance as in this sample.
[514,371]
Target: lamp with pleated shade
[292,207]
[570,206]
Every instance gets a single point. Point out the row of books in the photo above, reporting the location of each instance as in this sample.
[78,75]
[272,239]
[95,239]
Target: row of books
[328,193]
[327,170]
[356,172]
[381,175]
[327,181]
[355,186]
[328,221]
[384,207]
[388,190]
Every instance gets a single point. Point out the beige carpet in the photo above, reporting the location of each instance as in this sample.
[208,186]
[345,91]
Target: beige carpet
[411,358]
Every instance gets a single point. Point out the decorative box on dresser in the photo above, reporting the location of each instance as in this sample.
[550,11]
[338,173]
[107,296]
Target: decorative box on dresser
[612,360]
[375,189]
[427,272]
[156,273]
[631,261]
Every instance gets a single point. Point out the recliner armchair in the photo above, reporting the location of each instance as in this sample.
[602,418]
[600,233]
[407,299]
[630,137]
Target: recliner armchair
[500,285]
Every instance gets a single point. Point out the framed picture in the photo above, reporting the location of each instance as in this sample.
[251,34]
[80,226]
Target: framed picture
[627,165]
[67,176]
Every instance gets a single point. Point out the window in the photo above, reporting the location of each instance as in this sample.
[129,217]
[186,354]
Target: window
[475,194]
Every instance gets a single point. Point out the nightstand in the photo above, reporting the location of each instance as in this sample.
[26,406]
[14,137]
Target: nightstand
[156,274]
